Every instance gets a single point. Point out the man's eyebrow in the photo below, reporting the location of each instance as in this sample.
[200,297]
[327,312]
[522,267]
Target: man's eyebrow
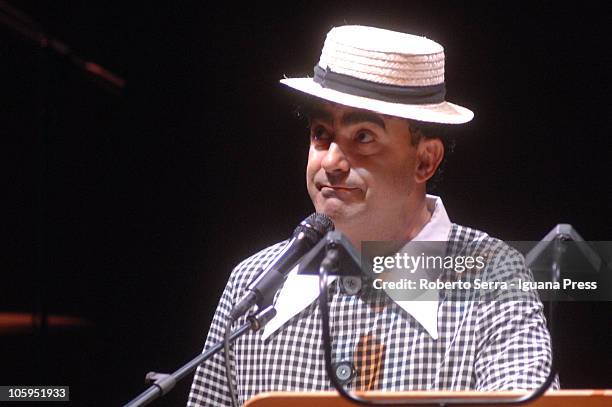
[362,116]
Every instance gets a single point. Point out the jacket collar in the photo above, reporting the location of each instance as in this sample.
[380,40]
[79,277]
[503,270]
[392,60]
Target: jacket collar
[300,290]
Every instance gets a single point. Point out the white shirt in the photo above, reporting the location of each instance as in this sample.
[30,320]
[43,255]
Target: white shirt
[300,290]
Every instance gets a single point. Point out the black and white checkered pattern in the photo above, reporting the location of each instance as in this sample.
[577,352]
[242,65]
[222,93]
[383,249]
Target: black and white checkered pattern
[482,345]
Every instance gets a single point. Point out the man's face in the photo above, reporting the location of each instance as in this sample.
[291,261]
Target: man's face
[361,166]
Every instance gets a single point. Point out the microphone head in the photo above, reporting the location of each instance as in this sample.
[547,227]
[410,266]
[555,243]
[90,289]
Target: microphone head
[314,227]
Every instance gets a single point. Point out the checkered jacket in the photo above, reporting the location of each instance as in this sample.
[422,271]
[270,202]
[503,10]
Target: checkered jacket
[502,344]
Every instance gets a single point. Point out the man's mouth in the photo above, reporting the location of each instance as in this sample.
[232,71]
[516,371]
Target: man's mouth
[339,188]
[335,187]
[326,188]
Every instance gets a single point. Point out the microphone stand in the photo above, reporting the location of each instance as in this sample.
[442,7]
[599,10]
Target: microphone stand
[164,382]
[23,25]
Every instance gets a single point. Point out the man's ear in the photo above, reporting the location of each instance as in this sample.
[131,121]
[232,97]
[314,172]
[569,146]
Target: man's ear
[430,152]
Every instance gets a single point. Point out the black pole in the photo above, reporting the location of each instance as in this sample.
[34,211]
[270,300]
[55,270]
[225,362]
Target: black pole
[165,382]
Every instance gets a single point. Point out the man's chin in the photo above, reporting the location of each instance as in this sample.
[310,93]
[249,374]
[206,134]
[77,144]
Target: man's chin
[339,211]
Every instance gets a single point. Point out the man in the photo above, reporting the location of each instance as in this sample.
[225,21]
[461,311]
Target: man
[368,166]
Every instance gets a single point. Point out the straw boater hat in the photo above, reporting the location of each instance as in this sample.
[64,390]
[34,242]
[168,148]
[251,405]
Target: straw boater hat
[384,71]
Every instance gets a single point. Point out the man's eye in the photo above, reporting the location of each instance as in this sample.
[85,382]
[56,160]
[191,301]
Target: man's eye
[319,134]
[364,137]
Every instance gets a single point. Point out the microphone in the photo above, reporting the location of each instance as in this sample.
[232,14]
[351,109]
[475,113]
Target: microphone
[261,290]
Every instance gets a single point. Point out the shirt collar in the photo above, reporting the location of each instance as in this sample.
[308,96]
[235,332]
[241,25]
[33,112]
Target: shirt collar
[300,290]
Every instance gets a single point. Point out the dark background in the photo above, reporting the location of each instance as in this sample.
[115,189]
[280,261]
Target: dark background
[130,211]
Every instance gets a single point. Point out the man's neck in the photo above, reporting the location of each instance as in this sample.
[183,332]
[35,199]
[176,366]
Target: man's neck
[421,217]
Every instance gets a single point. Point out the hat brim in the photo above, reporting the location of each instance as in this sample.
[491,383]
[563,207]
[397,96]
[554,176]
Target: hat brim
[445,112]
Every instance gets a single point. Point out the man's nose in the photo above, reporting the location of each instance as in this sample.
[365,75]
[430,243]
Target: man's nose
[335,160]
